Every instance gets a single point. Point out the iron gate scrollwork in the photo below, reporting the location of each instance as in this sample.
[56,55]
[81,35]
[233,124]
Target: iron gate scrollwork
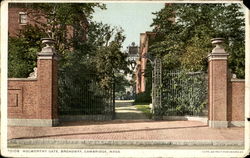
[178,92]
[156,89]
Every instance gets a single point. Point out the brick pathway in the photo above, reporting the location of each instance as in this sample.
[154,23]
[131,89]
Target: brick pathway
[119,129]
[129,130]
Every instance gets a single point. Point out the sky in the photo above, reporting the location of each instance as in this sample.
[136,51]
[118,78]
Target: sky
[134,18]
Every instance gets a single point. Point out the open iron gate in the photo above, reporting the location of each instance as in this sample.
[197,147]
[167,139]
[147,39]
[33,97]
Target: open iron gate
[82,95]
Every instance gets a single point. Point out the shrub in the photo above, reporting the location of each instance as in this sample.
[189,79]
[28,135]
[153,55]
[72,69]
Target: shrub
[143,97]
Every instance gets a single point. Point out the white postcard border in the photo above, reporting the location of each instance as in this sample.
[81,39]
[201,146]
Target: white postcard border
[116,152]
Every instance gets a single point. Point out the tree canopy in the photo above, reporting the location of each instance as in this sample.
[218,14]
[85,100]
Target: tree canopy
[184,32]
[82,44]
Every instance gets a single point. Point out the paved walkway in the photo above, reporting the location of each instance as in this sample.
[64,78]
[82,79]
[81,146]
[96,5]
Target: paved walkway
[126,111]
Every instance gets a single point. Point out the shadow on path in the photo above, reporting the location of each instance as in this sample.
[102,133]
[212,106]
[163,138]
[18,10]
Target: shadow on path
[126,110]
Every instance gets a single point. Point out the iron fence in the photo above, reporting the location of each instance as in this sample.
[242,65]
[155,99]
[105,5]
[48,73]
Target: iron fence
[81,94]
[184,93]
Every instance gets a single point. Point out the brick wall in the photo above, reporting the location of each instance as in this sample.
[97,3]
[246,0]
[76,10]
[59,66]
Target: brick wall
[22,98]
[236,100]
[226,94]
[34,98]
[33,101]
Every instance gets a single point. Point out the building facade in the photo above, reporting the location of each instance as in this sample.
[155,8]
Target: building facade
[18,18]
[133,56]
[21,15]
[142,61]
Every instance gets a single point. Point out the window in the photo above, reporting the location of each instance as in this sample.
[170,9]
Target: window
[22,18]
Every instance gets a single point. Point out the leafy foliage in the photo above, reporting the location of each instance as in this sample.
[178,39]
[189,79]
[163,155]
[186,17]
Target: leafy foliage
[109,59]
[184,93]
[22,52]
[91,70]
[143,97]
[183,33]
[80,42]
[120,87]
[184,42]
[84,47]
[66,23]
[80,94]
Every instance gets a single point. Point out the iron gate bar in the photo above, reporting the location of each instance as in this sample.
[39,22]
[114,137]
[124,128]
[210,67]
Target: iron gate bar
[156,89]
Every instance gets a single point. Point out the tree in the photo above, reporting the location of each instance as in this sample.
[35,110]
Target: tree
[120,89]
[88,73]
[90,55]
[66,23]
[185,42]
[22,51]
[109,59]
[100,54]
[82,44]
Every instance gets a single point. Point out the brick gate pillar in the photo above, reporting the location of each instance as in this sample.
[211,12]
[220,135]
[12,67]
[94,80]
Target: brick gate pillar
[47,83]
[217,87]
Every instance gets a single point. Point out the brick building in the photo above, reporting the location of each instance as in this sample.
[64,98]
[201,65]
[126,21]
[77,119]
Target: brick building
[20,15]
[23,14]
[142,61]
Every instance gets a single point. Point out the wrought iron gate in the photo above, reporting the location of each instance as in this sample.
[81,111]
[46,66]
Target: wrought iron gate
[82,95]
[184,93]
[156,89]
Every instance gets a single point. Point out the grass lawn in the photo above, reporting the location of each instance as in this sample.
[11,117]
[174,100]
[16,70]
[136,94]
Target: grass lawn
[145,109]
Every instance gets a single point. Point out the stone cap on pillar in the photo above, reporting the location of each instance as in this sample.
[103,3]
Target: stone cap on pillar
[48,52]
[218,53]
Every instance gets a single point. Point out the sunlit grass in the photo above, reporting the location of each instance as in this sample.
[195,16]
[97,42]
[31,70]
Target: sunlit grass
[145,109]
